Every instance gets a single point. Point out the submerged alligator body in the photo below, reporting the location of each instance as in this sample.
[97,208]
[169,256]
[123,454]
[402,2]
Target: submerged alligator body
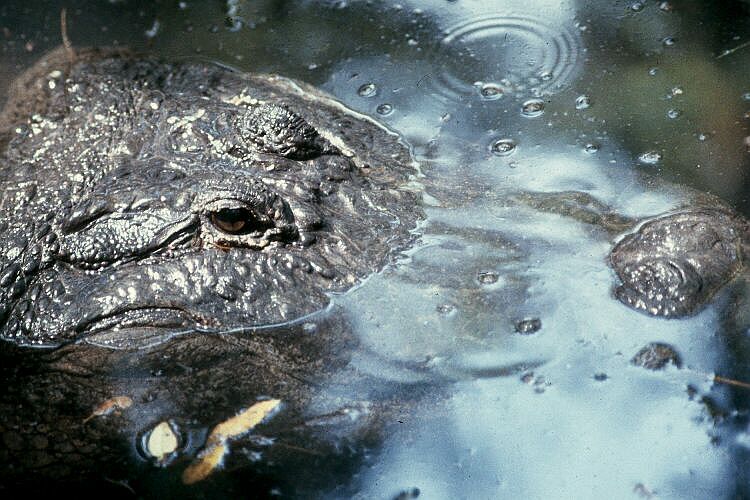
[142,198]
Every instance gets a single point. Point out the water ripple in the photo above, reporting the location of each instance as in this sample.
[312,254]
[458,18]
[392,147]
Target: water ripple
[515,53]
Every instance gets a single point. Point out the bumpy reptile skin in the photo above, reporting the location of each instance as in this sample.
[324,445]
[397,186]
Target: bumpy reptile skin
[142,198]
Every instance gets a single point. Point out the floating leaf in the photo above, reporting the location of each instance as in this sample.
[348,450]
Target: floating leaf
[162,441]
[207,461]
[216,444]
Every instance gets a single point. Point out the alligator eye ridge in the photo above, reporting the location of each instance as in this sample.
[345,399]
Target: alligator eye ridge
[236,221]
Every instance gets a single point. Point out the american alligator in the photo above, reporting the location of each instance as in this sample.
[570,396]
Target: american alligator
[167,229]
[166,232]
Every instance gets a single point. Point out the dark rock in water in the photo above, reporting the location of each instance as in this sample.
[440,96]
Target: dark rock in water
[163,226]
[656,356]
[528,326]
[408,494]
[144,198]
[487,277]
[674,264]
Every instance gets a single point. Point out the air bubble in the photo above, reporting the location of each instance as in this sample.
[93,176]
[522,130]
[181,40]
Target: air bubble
[591,148]
[490,91]
[445,309]
[533,108]
[367,90]
[636,6]
[154,30]
[583,102]
[673,113]
[650,158]
[384,109]
[746,96]
[668,41]
[487,277]
[503,147]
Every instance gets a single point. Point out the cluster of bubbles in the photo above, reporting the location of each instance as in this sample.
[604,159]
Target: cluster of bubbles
[532,108]
[369,90]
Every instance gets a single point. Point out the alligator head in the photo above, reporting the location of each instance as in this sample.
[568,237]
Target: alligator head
[143,199]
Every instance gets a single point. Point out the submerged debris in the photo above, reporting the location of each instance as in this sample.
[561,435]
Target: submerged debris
[656,356]
[109,406]
[408,494]
[643,491]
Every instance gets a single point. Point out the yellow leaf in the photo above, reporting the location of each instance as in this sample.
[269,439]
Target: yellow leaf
[208,460]
[162,441]
[244,422]
[216,444]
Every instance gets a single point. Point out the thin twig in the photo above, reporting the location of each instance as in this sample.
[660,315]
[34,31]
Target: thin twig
[66,41]
[732,51]
[299,448]
[730,381]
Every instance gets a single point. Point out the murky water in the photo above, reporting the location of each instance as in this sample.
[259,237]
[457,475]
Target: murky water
[543,130]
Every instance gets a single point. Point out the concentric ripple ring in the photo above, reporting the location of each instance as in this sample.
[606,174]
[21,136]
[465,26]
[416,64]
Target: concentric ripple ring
[515,52]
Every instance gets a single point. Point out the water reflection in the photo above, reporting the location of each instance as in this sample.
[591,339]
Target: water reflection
[624,98]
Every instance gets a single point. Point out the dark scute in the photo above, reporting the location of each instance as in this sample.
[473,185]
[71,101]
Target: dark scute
[277,130]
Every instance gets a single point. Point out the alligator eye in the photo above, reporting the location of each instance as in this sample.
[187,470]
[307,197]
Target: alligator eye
[234,220]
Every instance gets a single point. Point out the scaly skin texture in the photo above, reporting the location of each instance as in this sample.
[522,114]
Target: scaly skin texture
[141,199]
[674,264]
